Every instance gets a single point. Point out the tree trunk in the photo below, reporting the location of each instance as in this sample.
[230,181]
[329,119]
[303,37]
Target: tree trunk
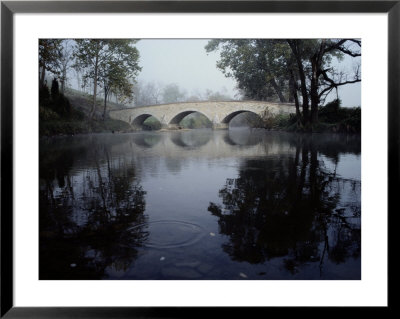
[293,46]
[314,91]
[64,77]
[96,67]
[316,72]
[291,85]
[304,93]
[105,102]
[93,110]
[293,88]
[42,76]
[277,90]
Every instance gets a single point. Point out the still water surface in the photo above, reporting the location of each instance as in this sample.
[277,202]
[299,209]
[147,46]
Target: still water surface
[200,204]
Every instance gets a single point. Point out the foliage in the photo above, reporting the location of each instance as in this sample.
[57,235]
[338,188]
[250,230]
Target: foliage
[110,63]
[151,124]
[294,70]
[172,93]
[196,120]
[58,117]
[341,119]
[277,121]
[119,71]
[257,65]
[49,53]
[56,102]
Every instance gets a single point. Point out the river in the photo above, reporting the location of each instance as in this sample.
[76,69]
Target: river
[200,204]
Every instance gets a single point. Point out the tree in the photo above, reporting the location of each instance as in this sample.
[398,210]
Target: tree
[89,54]
[216,96]
[147,93]
[172,93]
[49,53]
[298,70]
[119,70]
[257,65]
[323,77]
[65,61]
[109,63]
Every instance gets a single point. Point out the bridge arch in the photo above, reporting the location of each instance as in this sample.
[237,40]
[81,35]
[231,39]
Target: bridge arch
[139,120]
[181,115]
[230,116]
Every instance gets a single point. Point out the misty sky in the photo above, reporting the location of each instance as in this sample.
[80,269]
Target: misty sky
[186,63]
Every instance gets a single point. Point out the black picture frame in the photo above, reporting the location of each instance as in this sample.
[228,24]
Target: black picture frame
[9,8]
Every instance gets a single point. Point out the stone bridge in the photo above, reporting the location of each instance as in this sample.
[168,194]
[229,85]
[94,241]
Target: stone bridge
[219,113]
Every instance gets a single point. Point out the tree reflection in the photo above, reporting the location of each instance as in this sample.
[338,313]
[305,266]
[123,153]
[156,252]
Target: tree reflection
[291,206]
[86,218]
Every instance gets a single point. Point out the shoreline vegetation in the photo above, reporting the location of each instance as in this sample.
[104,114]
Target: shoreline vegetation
[68,114]
[304,72]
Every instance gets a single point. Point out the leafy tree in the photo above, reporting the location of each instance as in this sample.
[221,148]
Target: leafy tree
[257,65]
[90,54]
[49,53]
[119,70]
[297,70]
[323,77]
[317,75]
[110,63]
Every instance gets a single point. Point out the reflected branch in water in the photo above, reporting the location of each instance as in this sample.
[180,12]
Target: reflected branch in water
[287,206]
[85,228]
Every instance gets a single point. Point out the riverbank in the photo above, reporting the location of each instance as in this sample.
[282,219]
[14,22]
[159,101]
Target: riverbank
[332,118]
[68,115]
[55,126]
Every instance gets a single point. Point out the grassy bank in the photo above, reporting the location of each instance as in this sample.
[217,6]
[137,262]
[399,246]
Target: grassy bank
[68,115]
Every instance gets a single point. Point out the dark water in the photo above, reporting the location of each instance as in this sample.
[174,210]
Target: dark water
[200,205]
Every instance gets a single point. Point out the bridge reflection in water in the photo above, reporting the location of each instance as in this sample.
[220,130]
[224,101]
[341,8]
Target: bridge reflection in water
[203,143]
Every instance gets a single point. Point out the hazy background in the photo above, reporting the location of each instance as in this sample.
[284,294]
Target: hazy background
[186,63]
